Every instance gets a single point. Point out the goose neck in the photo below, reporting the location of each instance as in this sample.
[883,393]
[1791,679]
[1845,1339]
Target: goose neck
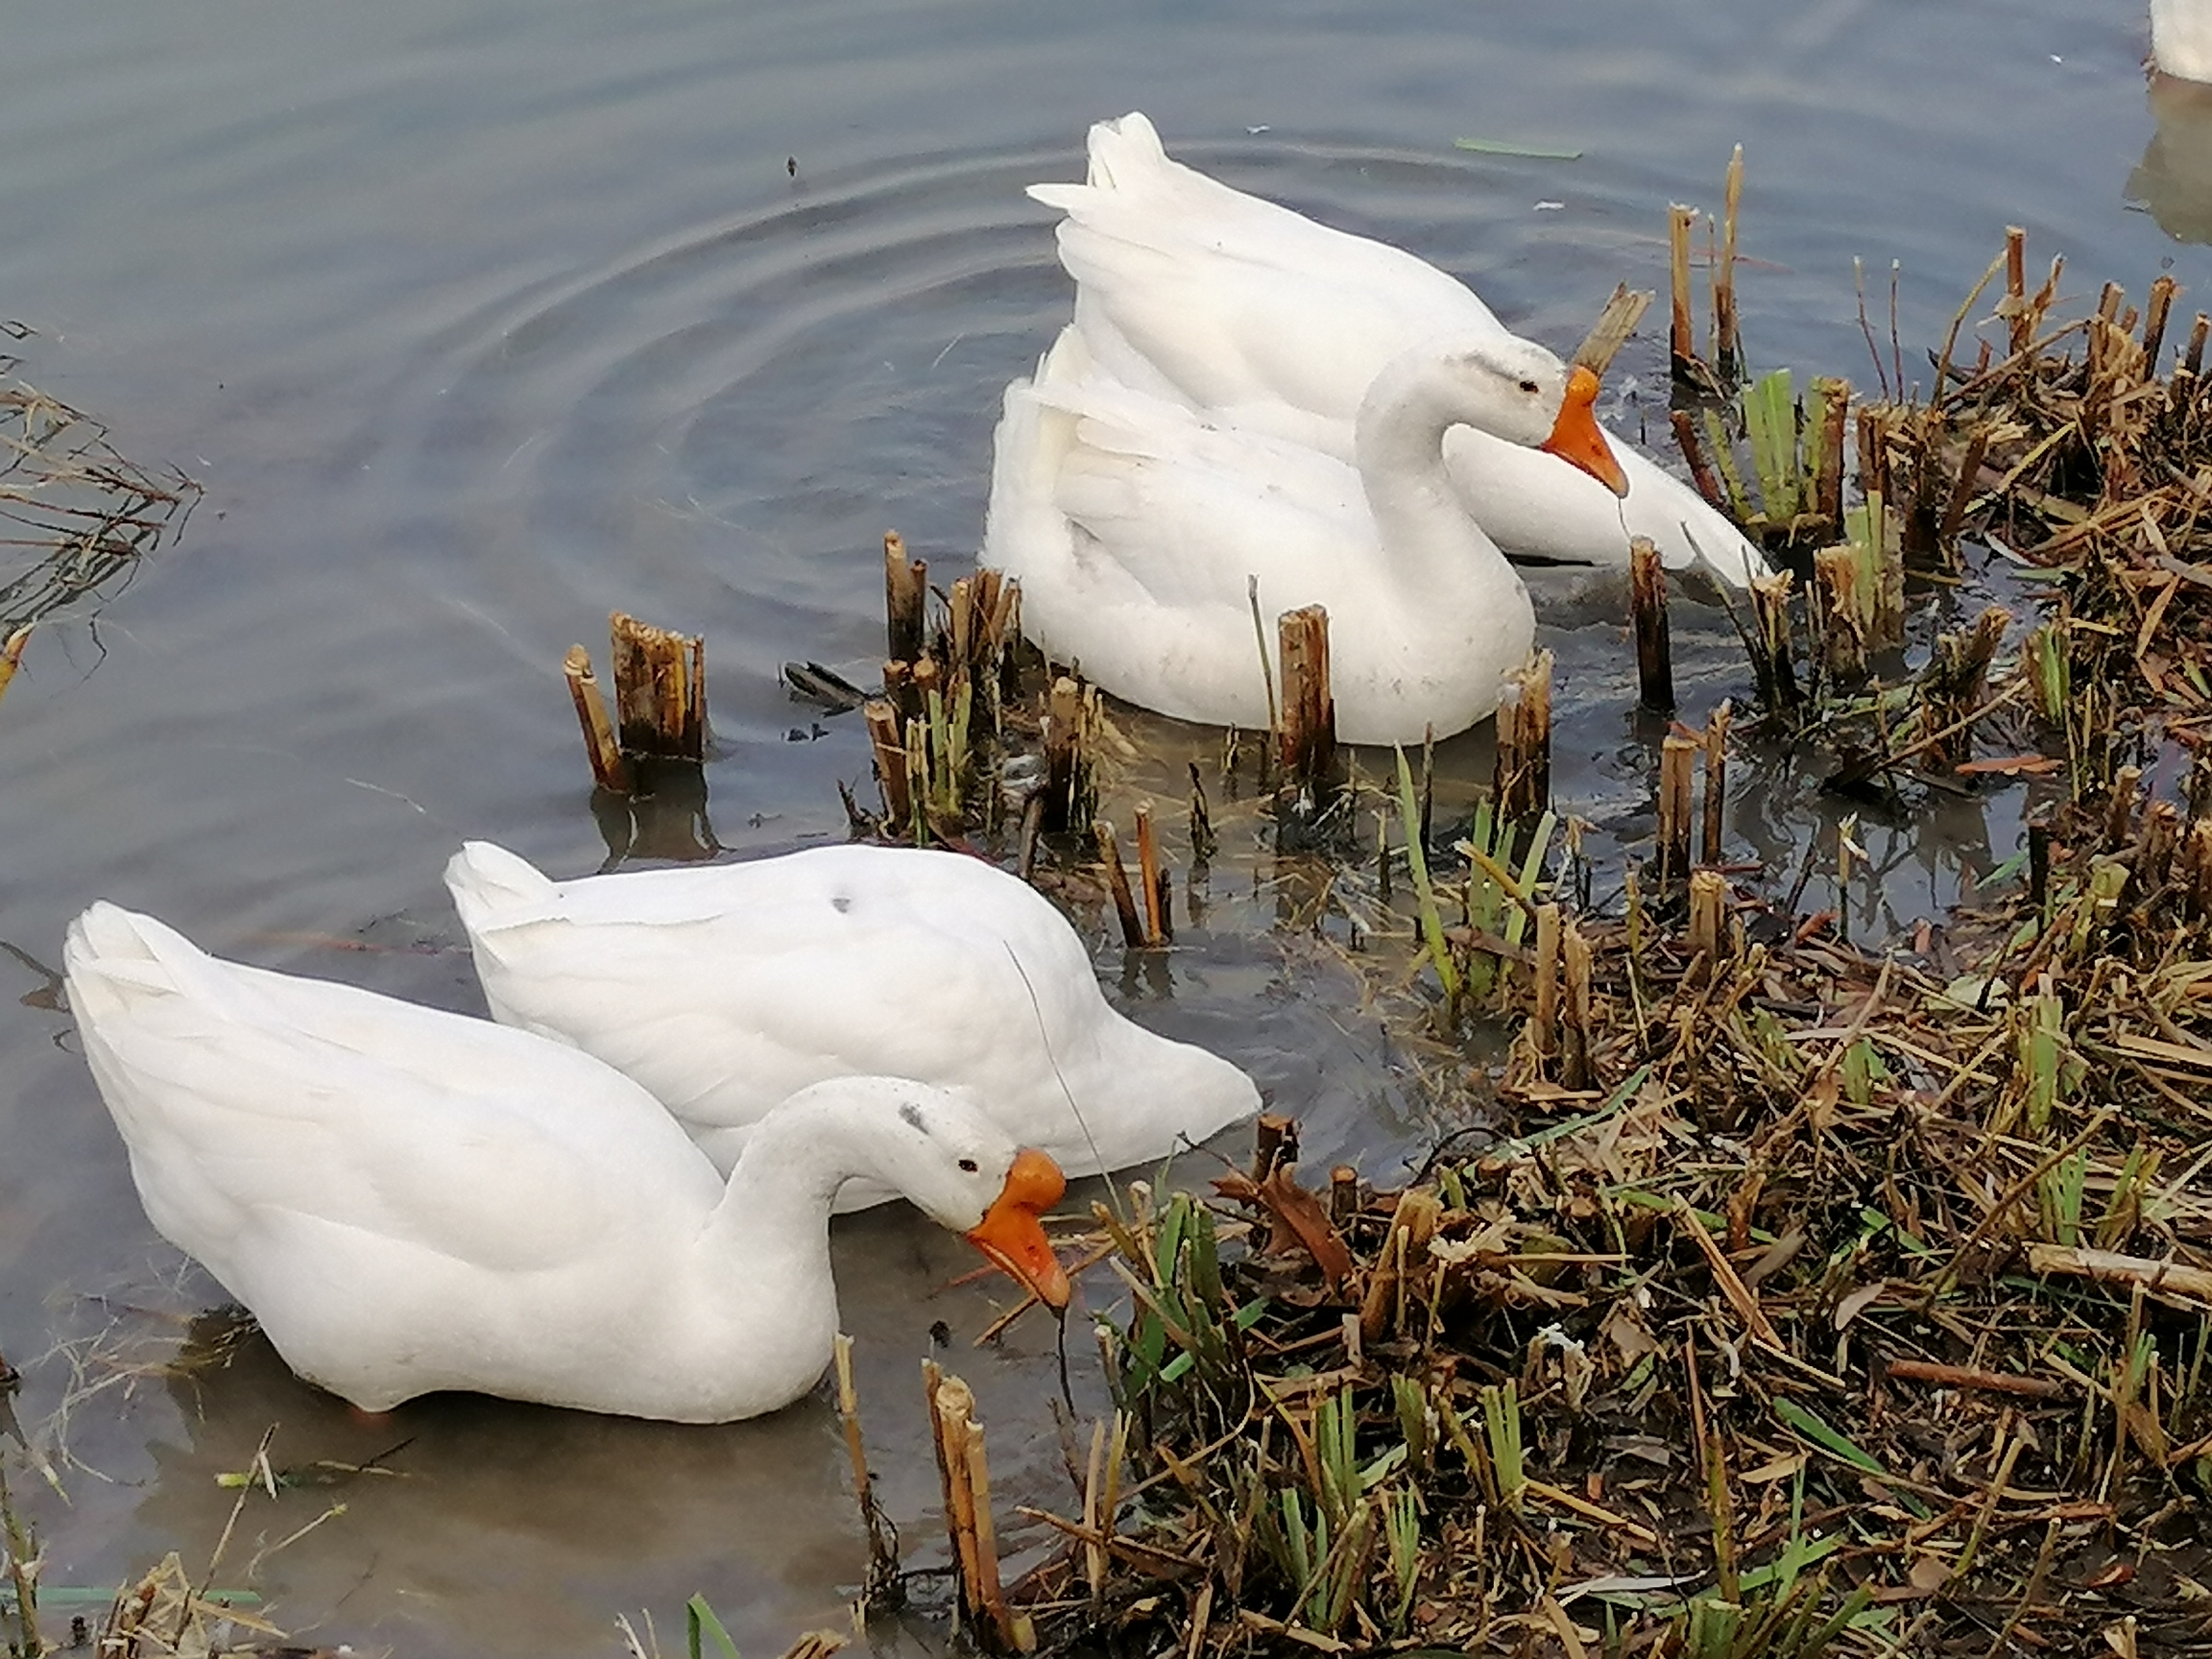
[1419,513]
[786,1179]
[1399,434]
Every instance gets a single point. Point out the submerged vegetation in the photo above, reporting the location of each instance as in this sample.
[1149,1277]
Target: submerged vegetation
[75,518]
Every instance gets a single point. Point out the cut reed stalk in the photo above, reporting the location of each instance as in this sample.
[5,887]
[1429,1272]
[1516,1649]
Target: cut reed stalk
[1835,396]
[1069,788]
[1576,1022]
[1714,757]
[2020,325]
[1841,612]
[1648,616]
[905,591]
[1677,762]
[889,746]
[1708,934]
[1308,749]
[965,1474]
[2155,849]
[1963,487]
[917,822]
[1951,686]
[22,1573]
[881,1583]
[1118,885]
[1543,1027]
[1159,927]
[2196,862]
[1343,1194]
[1623,310]
[1274,1146]
[899,689]
[2162,290]
[1681,338]
[608,770]
[1094,1552]
[1693,455]
[1727,335]
[1774,655]
[1522,778]
[2119,806]
[1398,1270]
[659,689]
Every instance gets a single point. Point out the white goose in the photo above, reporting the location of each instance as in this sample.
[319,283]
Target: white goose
[723,987]
[411,1200]
[1135,528]
[1262,319]
[2181,38]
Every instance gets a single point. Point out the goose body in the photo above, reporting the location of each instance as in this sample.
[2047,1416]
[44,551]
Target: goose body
[1262,319]
[410,1200]
[1138,530]
[722,988]
[2181,38]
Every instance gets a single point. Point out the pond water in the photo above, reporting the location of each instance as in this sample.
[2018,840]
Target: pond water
[479,318]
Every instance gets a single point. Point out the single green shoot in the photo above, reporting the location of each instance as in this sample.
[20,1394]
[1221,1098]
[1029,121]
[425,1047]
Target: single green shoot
[701,1627]
[1424,896]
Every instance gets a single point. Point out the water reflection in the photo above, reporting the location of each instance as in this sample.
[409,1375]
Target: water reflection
[2174,179]
[663,817]
[484,1523]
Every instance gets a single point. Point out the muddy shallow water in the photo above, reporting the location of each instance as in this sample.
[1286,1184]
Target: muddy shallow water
[479,320]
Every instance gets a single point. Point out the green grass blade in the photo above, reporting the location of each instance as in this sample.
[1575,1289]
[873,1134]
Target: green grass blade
[700,1625]
[1417,865]
[1827,1439]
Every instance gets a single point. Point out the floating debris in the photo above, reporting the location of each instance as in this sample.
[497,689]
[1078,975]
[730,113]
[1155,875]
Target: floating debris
[1505,146]
[79,518]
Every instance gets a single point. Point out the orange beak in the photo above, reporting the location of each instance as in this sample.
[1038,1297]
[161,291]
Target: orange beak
[1013,1237]
[1576,438]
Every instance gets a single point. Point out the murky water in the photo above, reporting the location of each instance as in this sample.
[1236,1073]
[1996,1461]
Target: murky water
[481,318]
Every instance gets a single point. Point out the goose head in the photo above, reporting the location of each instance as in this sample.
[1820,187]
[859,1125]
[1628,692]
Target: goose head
[1510,388]
[961,1170]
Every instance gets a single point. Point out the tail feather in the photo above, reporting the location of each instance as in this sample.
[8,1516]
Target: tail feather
[114,960]
[487,881]
[1125,145]
[1120,153]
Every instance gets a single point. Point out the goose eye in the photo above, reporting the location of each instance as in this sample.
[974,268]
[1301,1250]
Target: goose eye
[968,1165]
[1529,387]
